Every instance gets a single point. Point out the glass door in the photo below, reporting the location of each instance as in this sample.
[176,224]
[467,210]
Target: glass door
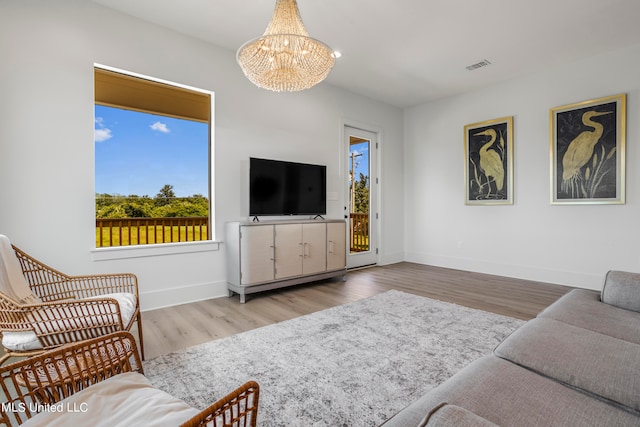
[362,211]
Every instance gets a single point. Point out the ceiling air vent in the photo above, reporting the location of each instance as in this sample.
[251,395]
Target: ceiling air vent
[479,64]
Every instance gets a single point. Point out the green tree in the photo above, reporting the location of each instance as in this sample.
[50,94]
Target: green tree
[164,204]
[361,194]
[134,210]
[112,211]
[165,196]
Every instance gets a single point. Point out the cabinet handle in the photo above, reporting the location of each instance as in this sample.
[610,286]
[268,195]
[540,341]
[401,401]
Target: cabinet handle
[302,254]
[330,246]
[305,251]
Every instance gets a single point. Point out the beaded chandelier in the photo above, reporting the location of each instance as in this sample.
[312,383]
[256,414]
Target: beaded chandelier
[285,58]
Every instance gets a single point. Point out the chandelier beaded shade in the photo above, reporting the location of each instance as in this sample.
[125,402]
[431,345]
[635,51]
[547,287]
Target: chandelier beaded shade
[285,58]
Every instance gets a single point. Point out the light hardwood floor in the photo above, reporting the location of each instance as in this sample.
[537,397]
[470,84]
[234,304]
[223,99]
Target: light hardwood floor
[173,328]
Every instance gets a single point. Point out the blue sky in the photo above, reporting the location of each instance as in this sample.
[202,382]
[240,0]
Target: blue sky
[138,153]
[362,162]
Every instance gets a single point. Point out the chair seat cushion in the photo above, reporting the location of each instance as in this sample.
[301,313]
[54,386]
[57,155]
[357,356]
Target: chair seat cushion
[127,399]
[28,340]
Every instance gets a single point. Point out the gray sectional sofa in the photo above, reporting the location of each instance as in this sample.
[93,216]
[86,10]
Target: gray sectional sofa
[576,364]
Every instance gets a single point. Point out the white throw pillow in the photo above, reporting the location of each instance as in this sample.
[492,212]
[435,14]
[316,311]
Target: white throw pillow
[28,340]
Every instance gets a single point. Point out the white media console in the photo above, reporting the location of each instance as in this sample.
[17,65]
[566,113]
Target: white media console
[273,254]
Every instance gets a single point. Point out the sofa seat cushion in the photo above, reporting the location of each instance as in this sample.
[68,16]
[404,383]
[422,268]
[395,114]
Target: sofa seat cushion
[28,340]
[126,399]
[583,308]
[454,416]
[590,361]
[510,396]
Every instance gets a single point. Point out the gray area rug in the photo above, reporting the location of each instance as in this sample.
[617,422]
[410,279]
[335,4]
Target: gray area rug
[352,365]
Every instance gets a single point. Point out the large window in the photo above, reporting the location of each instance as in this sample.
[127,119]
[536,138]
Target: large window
[152,161]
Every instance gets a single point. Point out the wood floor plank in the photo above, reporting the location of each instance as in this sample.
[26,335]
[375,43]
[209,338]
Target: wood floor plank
[174,328]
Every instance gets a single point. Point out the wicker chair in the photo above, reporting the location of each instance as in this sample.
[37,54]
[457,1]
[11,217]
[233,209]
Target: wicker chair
[71,376]
[238,408]
[42,308]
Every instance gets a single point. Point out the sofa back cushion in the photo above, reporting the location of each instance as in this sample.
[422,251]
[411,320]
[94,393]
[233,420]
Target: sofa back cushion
[583,308]
[622,289]
[592,362]
[509,395]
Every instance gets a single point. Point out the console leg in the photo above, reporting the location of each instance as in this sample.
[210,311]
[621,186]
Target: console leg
[243,298]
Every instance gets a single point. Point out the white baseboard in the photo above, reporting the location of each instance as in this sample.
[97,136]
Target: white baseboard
[182,295]
[558,277]
[392,258]
[202,291]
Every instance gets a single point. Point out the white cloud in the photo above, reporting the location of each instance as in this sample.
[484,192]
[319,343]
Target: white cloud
[160,127]
[102,134]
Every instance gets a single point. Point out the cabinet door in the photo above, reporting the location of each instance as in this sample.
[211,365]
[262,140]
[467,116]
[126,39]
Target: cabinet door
[256,254]
[288,250]
[314,248]
[336,246]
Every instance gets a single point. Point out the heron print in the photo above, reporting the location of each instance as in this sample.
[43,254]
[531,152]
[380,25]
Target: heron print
[587,152]
[488,162]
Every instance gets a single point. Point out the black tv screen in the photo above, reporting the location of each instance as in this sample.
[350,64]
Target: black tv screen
[286,188]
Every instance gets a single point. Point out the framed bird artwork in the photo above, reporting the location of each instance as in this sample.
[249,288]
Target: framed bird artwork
[489,162]
[588,152]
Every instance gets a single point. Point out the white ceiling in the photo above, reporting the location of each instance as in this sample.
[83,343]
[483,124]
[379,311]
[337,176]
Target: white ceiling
[407,52]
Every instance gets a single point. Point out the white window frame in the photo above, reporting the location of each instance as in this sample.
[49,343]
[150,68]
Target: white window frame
[147,250]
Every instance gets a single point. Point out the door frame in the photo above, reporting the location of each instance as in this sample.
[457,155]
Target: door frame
[375,209]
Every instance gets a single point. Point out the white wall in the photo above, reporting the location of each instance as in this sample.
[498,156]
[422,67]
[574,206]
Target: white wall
[532,239]
[47,52]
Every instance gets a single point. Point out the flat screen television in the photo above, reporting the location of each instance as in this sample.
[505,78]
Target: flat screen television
[286,188]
